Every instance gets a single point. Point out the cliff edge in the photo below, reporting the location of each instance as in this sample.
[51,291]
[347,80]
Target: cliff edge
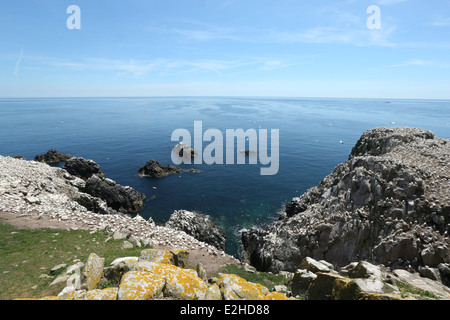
[389,204]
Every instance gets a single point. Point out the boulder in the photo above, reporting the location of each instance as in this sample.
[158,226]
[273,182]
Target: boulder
[157,255]
[213,293]
[179,283]
[118,268]
[181,257]
[104,294]
[93,271]
[301,281]
[234,287]
[198,226]
[312,265]
[140,285]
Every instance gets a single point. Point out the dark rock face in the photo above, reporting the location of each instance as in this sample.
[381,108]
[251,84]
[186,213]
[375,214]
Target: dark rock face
[83,168]
[154,169]
[100,194]
[52,156]
[120,198]
[389,203]
[198,226]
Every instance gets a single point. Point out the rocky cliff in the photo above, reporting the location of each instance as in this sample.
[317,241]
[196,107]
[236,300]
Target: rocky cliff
[388,204]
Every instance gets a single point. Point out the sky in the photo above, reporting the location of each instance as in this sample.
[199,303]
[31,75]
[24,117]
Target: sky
[262,48]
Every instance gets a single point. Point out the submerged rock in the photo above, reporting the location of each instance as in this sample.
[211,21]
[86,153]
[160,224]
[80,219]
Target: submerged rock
[52,156]
[154,169]
[389,204]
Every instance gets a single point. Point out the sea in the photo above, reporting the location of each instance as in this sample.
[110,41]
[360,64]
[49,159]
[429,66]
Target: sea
[122,134]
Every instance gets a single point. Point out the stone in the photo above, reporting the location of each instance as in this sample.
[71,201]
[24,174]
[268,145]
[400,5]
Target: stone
[157,255]
[430,273]
[234,287]
[321,287]
[104,294]
[179,283]
[118,268]
[301,281]
[356,289]
[62,278]
[181,257]
[126,245]
[363,269]
[201,272]
[213,293]
[57,269]
[140,285]
[314,266]
[93,271]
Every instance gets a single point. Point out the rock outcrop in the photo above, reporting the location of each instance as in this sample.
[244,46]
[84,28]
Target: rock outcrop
[123,199]
[388,204]
[318,280]
[38,194]
[154,169]
[83,168]
[52,156]
[154,275]
[198,226]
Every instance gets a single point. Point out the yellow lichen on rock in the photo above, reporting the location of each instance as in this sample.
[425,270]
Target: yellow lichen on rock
[156,255]
[213,293]
[234,287]
[105,294]
[180,283]
[140,285]
[276,296]
[93,271]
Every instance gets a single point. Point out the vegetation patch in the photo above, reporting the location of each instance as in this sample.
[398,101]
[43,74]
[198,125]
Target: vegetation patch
[27,256]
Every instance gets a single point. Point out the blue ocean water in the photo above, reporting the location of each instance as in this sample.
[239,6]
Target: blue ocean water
[122,134]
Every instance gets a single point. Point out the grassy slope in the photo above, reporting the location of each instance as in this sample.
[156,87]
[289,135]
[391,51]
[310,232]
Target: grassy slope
[26,254]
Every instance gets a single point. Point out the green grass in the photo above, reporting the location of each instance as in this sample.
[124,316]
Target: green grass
[26,254]
[269,280]
[407,288]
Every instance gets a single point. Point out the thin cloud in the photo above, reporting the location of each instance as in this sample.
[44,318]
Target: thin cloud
[16,69]
[167,67]
[422,63]
[440,22]
[389,2]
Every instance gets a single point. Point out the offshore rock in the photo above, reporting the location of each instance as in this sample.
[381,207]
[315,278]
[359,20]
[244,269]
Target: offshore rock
[52,156]
[154,169]
[198,226]
[388,204]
